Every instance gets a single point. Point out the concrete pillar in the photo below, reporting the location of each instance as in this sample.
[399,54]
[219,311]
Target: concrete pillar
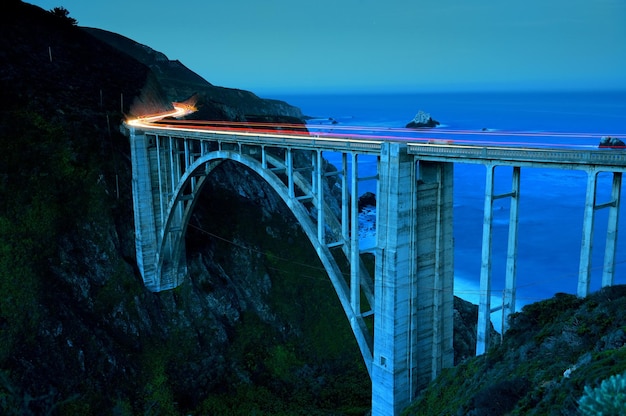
[414,254]
[611,233]
[393,369]
[345,198]
[355,259]
[434,245]
[143,207]
[161,172]
[318,188]
[510,284]
[586,247]
[508,298]
[289,164]
[484,304]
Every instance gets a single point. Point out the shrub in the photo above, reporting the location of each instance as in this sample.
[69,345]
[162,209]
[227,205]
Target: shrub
[608,399]
[63,14]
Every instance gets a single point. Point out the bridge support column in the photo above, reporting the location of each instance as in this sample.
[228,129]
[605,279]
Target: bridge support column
[355,259]
[413,322]
[143,206]
[611,233]
[584,275]
[484,304]
[435,270]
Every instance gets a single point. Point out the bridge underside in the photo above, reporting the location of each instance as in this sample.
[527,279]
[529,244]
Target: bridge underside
[411,294]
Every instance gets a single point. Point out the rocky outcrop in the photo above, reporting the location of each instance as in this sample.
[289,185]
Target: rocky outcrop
[465,325]
[422,120]
[368,199]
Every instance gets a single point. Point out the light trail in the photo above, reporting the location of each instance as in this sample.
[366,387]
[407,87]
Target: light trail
[170,120]
[180,110]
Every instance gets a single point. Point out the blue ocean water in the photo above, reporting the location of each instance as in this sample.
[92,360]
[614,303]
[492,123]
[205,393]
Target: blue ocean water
[552,201]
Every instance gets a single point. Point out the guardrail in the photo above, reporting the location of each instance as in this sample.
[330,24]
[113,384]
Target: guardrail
[365,146]
[574,159]
[446,152]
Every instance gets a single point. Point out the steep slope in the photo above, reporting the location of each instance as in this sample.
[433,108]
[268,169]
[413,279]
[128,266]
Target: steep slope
[552,350]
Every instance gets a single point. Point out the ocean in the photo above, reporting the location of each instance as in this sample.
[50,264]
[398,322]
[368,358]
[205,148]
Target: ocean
[551,201]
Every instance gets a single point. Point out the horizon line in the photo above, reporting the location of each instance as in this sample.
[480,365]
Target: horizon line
[261,92]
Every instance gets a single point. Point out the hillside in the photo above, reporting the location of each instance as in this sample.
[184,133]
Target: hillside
[213,102]
[79,333]
[553,349]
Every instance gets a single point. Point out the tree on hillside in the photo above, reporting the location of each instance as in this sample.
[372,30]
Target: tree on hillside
[64,14]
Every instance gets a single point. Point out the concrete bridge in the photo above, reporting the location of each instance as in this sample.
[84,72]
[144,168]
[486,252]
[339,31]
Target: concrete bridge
[411,293]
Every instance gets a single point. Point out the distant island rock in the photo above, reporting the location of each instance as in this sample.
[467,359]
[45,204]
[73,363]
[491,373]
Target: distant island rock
[422,120]
[608,141]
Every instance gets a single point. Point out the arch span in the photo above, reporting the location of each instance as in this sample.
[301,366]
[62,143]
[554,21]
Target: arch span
[181,206]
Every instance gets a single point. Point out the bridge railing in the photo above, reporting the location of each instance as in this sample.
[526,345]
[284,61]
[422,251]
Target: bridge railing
[466,153]
[330,143]
[566,158]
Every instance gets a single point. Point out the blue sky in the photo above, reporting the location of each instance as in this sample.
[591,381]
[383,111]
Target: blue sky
[282,46]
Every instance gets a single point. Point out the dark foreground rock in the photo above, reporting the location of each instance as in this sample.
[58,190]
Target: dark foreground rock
[368,199]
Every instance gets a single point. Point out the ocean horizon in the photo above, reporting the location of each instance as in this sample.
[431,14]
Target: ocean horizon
[551,201]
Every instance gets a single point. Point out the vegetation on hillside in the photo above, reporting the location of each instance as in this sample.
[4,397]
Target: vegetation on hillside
[79,333]
[553,351]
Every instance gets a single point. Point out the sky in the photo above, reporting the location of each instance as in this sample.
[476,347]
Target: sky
[295,46]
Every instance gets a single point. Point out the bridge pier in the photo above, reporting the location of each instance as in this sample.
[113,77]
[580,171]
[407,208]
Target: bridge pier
[584,275]
[508,301]
[414,278]
[145,218]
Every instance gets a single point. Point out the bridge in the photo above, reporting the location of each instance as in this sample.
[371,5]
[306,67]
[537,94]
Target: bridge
[410,295]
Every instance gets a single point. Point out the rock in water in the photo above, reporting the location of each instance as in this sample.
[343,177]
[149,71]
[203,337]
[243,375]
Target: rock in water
[422,119]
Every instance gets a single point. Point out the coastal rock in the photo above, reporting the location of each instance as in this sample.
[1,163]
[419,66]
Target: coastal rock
[422,120]
[368,199]
[608,141]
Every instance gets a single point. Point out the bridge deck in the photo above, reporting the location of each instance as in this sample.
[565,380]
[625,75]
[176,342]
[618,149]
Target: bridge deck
[557,158]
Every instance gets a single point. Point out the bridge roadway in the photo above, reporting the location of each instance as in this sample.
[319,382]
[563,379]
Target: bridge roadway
[411,295]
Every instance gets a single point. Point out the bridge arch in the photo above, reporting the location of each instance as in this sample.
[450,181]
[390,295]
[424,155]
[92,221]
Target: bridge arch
[412,334]
[170,256]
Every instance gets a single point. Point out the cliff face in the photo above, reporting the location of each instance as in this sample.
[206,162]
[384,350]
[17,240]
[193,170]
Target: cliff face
[256,327]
